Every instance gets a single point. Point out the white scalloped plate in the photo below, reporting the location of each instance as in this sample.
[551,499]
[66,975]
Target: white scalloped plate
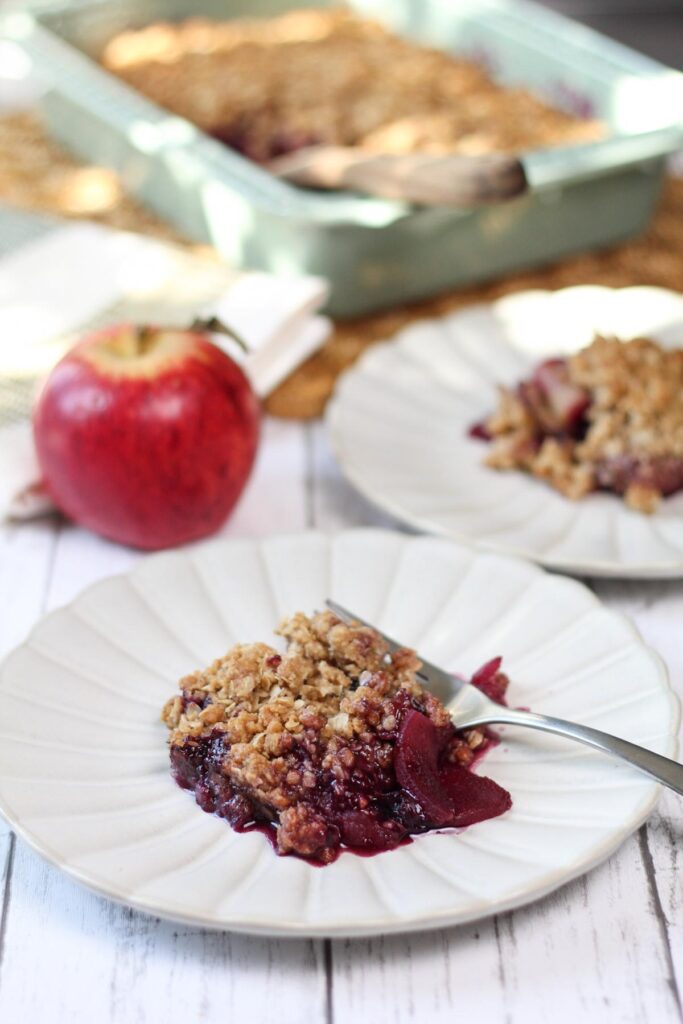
[84,766]
[400,417]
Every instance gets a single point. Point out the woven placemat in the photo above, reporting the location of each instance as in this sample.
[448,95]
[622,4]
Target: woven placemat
[36,174]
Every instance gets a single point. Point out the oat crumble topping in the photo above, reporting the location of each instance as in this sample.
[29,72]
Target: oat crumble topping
[269,86]
[307,739]
[609,417]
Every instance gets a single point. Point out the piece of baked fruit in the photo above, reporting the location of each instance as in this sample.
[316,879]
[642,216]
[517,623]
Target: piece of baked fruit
[333,744]
[608,418]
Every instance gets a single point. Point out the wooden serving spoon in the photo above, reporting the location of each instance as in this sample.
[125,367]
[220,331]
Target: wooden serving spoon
[450,180]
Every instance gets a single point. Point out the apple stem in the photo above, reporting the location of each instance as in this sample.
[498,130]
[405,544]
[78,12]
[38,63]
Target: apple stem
[216,326]
[144,335]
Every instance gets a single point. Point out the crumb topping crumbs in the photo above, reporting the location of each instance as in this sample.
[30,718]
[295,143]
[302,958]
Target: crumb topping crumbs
[331,685]
[268,86]
[306,739]
[632,436]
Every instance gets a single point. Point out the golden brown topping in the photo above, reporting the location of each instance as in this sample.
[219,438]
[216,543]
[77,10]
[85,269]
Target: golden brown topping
[636,392]
[329,684]
[270,85]
[630,428]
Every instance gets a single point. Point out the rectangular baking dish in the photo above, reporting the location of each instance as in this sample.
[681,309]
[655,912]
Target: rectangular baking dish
[375,253]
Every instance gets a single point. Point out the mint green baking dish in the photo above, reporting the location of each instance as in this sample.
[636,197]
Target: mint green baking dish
[375,253]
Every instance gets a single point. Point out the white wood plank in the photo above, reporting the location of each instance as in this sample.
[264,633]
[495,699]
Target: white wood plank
[74,957]
[97,961]
[437,976]
[26,555]
[276,498]
[335,503]
[590,952]
[661,844]
[657,610]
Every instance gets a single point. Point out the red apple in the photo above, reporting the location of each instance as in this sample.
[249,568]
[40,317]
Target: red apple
[146,435]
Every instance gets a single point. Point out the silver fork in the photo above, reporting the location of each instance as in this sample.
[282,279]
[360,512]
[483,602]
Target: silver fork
[469,707]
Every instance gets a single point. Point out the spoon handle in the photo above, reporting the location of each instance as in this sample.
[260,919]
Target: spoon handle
[663,769]
[427,179]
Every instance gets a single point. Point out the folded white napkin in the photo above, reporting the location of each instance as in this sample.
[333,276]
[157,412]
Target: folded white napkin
[85,275]
[82,276]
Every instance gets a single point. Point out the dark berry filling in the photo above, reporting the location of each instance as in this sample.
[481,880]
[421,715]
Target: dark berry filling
[401,781]
[558,406]
[559,409]
[663,474]
[239,137]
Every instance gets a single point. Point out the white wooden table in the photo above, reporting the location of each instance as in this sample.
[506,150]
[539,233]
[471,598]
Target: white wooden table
[605,948]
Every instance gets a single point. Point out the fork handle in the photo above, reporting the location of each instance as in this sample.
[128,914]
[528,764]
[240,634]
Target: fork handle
[663,769]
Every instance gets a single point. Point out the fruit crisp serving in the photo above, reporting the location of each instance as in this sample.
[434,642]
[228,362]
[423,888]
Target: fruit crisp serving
[333,744]
[269,86]
[608,418]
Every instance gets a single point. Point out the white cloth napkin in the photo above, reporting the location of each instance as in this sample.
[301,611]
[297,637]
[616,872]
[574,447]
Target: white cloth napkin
[61,283]
[82,276]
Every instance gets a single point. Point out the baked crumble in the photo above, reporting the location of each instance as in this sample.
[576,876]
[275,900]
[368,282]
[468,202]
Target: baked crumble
[332,744]
[609,418]
[269,86]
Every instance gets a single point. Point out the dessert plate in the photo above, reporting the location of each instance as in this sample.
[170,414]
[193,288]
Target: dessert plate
[84,772]
[400,417]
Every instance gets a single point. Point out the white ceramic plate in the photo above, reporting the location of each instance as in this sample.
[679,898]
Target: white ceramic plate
[400,417]
[84,766]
